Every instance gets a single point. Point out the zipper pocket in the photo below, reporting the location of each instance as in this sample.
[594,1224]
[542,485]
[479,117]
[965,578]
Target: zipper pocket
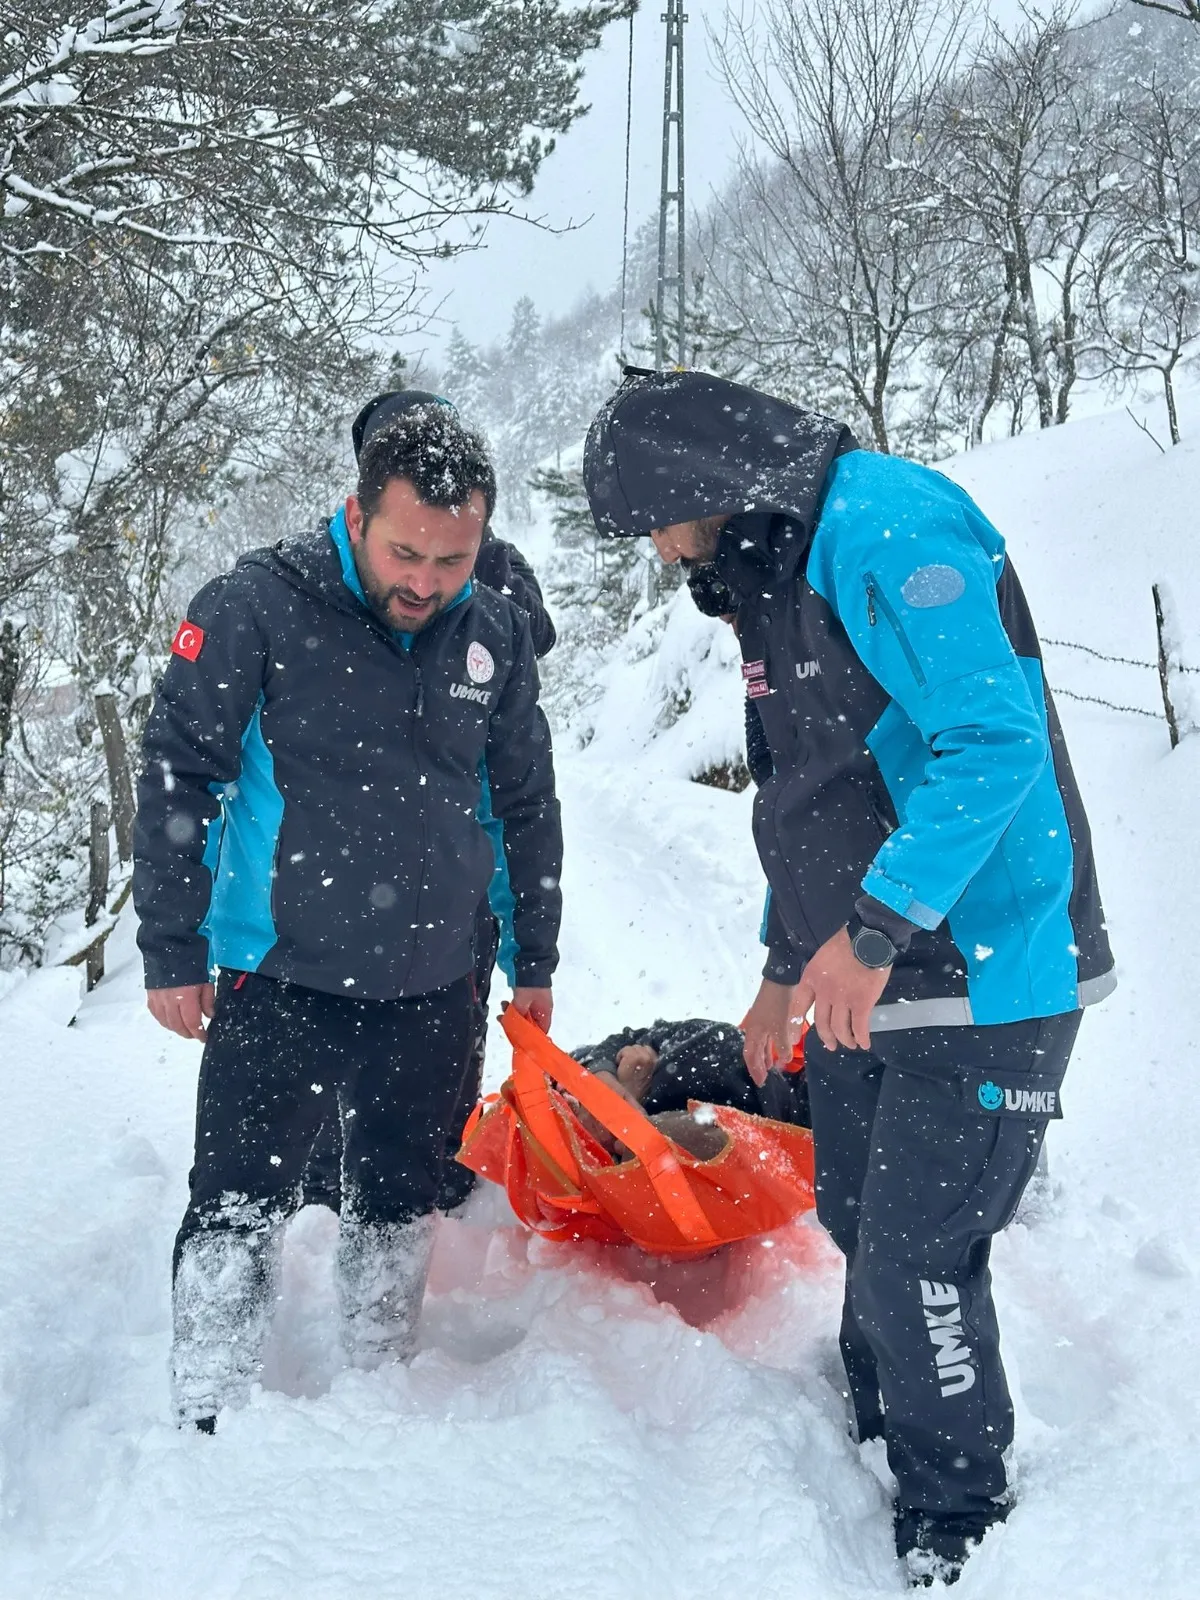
[862,787]
[877,601]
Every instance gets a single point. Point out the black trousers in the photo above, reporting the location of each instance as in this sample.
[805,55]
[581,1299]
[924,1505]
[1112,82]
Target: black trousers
[923,1148]
[280,1060]
[323,1174]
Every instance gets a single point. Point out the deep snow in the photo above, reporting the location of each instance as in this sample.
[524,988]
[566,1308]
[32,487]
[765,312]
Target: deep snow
[564,1429]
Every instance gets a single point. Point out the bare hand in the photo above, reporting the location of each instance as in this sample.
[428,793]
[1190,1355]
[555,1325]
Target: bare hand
[536,1004]
[842,994]
[597,1129]
[635,1068]
[185,1010]
[771,1028]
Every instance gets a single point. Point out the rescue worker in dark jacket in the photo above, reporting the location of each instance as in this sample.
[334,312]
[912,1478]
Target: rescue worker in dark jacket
[933,895]
[306,826]
[500,566]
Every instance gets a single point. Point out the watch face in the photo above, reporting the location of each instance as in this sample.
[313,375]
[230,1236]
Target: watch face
[874,949]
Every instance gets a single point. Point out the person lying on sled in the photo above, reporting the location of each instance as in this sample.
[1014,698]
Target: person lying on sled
[662,1067]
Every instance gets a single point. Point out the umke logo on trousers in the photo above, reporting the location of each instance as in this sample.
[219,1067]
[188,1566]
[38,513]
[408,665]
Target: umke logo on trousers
[943,1318]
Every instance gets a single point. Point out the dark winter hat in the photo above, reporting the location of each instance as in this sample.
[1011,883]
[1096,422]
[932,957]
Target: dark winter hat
[676,446]
[385,408]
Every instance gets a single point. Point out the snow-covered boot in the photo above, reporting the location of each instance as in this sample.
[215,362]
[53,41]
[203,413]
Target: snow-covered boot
[226,1284]
[381,1272]
[936,1548]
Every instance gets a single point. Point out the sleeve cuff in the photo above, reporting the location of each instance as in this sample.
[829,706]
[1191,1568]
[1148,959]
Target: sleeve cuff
[873,913]
[534,974]
[898,897]
[176,970]
[782,966]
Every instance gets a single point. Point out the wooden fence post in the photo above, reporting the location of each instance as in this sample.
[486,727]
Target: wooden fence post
[98,865]
[120,785]
[1164,664]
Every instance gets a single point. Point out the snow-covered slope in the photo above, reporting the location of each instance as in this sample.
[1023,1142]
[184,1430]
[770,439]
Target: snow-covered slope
[565,1429]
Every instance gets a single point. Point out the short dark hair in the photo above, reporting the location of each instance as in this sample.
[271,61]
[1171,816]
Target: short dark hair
[444,461]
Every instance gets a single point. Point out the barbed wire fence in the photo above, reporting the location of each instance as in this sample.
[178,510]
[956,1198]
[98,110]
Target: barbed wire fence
[1167,665]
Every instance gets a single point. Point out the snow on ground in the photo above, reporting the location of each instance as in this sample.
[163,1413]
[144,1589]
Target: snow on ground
[588,1423]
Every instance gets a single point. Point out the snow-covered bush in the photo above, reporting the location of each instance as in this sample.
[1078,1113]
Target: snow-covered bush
[638,673]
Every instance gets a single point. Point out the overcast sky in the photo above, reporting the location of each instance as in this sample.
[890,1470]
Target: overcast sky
[583,181]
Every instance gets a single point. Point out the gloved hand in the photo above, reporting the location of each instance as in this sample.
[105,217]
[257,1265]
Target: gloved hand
[492,566]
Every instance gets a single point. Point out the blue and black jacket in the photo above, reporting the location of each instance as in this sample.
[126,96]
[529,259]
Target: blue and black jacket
[307,807]
[919,768]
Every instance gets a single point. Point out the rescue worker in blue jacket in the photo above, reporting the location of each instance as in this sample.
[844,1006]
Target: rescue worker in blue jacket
[307,827]
[933,897]
[499,566]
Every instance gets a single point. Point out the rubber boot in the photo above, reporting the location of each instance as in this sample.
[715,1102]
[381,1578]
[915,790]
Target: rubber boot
[381,1273]
[223,1299]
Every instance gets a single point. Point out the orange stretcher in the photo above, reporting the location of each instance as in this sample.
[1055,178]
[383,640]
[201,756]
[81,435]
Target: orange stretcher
[565,1185]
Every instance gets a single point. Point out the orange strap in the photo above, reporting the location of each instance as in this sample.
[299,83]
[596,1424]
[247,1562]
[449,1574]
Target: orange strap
[534,1057]
[532,1095]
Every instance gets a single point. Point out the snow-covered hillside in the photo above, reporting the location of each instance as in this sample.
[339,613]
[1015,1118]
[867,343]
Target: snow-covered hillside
[571,1427]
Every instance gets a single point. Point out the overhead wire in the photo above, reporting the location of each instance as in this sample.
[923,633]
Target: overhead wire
[625,218]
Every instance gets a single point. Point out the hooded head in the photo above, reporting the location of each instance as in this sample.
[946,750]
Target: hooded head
[675,447]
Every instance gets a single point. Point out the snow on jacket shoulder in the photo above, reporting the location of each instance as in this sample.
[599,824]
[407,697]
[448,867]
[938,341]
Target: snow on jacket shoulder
[310,782]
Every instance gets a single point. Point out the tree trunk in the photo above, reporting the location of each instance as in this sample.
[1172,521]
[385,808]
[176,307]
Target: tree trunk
[120,785]
[996,372]
[98,868]
[1036,346]
[879,428]
[1172,408]
[10,672]
[107,620]
[1069,372]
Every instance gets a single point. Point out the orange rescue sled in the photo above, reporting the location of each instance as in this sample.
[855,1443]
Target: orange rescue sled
[564,1185]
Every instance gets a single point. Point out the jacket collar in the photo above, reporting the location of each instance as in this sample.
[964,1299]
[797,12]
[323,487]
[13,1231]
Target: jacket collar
[321,563]
[760,547]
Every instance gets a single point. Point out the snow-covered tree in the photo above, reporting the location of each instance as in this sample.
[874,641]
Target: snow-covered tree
[1148,308]
[827,248]
[208,212]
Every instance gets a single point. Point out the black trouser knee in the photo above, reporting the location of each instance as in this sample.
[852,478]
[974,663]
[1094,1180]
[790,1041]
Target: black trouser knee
[280,1059]
[323,1173]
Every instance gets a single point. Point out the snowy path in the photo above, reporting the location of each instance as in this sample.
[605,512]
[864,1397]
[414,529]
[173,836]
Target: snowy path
[562,1430]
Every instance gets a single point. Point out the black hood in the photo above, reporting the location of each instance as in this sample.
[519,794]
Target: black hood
[310,562]
[675,446]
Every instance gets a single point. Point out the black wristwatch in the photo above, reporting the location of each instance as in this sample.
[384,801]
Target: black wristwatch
[871,946]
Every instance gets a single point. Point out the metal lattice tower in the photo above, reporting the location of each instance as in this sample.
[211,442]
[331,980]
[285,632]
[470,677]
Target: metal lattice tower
[671,197]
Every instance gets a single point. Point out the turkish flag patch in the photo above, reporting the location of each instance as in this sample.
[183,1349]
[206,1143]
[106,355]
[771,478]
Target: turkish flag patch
[187,641]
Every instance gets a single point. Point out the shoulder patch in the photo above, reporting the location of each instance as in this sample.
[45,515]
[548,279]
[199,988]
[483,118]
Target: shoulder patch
[187,641]
[937,585]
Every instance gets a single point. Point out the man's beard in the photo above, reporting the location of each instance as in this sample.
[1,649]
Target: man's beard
[379,599]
